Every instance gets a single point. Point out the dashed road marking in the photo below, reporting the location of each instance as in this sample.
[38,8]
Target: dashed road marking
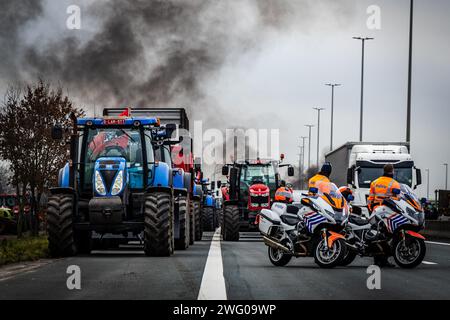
[213,281]
[428,262]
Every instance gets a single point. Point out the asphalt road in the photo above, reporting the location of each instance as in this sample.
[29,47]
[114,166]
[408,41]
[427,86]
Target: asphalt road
[247,274]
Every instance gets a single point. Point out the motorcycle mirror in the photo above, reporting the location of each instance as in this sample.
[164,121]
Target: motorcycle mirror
[304,201]
[313,190]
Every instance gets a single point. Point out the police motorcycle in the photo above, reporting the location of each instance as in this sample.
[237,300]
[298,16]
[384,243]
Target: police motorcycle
[390,230]
[308,228]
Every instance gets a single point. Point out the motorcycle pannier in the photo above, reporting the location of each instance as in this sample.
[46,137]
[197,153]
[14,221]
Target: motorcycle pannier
[267,219]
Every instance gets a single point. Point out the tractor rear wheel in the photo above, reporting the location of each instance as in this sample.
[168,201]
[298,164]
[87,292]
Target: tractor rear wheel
[191,222]
[208,219]
[198,221]
[61,241]
[182,243]
[231,223]
[158,224]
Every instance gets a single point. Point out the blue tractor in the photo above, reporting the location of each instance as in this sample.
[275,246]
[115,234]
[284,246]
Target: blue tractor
[113,184]
[210,218]
[178,154]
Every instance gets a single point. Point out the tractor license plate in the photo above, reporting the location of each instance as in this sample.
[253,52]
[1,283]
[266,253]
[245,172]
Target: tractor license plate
[114,121]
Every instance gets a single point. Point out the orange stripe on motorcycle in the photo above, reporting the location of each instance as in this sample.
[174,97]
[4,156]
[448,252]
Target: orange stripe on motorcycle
[333,237]
[415,234]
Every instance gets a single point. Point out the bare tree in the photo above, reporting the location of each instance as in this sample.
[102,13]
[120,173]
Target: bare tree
[26,143]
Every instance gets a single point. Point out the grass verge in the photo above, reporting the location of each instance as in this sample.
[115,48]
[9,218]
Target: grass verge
[24,249]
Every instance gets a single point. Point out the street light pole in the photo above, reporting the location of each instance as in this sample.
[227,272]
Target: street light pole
[408,106]
[302,168]
[428,183]
[318,132]
[446,175]
[309,144]
[363,40]
[332,85]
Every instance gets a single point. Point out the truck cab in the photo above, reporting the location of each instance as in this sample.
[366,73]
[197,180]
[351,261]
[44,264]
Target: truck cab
[363,163]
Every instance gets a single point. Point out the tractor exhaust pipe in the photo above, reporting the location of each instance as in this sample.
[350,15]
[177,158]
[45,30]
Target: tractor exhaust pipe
[273,244]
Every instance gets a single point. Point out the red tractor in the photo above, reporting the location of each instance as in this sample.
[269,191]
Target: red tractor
[251,188]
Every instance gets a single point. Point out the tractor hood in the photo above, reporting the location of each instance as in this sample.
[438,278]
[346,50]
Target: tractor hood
[110,176]
[258,189]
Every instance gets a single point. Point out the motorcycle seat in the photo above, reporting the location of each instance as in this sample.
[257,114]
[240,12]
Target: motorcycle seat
[292,209]
[357,220]
[290,219]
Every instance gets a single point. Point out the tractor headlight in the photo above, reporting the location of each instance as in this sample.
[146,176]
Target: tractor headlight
[99,185]
[118,184]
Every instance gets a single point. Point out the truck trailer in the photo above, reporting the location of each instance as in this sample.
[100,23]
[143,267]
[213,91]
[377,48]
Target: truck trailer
[357,164]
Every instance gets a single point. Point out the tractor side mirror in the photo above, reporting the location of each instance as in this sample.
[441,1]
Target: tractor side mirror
[225,170]
[57,132]
[197,164]
[350,175]
[418,178]
[219,184]
[290,171]
[170,128]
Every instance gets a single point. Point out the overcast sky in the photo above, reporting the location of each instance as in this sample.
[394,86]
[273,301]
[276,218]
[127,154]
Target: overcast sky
[271,77]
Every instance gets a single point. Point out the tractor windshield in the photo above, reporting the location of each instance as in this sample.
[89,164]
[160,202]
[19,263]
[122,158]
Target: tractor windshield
[114,142]
[265,174]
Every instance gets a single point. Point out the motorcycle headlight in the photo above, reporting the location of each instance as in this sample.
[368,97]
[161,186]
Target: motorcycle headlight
[99,185]
[339,217]
[419,216]
[118,184]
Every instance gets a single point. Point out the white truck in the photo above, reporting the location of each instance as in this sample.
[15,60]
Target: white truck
[357,164]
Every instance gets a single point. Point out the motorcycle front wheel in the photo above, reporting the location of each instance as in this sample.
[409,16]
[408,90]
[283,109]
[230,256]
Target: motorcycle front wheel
[278,257]
[330,257]
[409,252]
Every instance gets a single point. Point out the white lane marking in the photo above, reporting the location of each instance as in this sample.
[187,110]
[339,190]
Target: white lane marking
[441,243]
[428,262]
[213,282]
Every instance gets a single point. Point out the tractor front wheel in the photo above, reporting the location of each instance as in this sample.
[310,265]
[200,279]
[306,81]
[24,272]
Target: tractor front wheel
[158,224]
[208,219]
[182,243]
[61,241]
[198,221]
[231,223]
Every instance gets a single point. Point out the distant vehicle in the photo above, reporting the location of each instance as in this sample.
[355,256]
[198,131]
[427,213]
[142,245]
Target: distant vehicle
[9,206]
[251,187]
[443,202]
[357,164]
